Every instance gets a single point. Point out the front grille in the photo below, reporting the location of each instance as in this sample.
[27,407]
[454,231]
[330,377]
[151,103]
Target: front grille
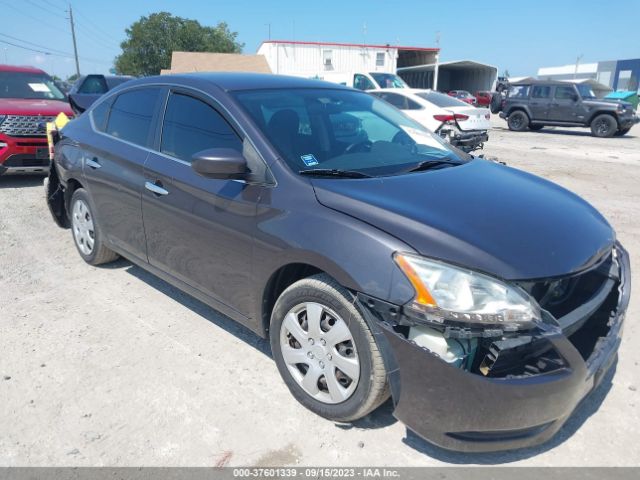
[26,125]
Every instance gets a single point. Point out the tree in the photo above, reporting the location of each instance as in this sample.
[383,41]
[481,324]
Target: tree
[72,78]
[151,40]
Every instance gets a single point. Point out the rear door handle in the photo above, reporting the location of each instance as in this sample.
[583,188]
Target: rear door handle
[92,163]
[156,188]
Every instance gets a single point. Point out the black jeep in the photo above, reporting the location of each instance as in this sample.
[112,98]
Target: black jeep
[540,103]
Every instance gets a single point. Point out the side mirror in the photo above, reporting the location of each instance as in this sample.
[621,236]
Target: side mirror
[220,163]
[575,97]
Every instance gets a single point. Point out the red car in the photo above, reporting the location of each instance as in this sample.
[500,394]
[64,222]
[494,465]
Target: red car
[463,95]
[483,98]
[29,99]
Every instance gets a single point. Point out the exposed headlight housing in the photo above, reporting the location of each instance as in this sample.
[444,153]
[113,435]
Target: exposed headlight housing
[449,294]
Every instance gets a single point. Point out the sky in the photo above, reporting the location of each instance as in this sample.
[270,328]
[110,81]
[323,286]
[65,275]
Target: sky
[512,35]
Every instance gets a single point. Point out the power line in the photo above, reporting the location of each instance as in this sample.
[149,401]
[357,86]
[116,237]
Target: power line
[53,50]
[46,9]
[45,24]
[96,29]
[34,50]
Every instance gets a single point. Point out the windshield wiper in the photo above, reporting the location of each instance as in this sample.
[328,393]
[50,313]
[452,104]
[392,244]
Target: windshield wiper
[334,172]
[429,164]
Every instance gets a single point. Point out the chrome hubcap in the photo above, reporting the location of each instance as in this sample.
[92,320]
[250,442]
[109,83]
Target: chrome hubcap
[82,225]
[320,353]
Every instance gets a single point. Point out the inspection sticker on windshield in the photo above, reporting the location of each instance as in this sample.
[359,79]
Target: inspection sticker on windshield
[39,87]
[309,160]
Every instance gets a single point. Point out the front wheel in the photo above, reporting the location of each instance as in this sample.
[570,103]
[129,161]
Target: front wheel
[86,233]
[518,121]
[325,352]
[603,126]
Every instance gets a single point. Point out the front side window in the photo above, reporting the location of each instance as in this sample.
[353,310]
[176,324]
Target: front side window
[361,82]
[348,130]
[32,86]
[131,115]
[191,125]
[565,93]
[388,80]
[541,91]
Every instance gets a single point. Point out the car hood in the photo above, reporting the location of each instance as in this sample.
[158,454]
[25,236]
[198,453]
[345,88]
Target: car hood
[607,103]
[25,106]
[480,215]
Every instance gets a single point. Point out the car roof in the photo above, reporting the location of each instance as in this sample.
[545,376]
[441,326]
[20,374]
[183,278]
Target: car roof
[20,68]
[543,82]
[234,81]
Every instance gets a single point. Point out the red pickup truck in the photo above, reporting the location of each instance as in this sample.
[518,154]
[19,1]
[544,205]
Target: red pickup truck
[28,100]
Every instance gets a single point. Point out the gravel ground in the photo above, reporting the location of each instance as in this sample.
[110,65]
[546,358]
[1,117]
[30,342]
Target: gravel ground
[112,366]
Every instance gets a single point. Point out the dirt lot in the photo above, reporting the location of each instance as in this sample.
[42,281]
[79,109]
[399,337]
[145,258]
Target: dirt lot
[111,366]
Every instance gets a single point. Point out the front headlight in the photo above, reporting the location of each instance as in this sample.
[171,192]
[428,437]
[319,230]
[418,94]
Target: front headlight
[446,293]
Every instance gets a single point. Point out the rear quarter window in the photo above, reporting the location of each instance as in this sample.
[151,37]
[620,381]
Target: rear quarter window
[519,91]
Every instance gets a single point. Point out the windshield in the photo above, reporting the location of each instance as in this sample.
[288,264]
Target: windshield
[441,100]
[388,80]
[37,86]
[343,130]
[586,91]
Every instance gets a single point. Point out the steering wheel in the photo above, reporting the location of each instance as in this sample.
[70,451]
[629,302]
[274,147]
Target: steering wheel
[403,138]
[363,146]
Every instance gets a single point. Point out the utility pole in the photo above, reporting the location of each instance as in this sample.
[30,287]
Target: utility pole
[73,35]
[436,68]
[575,72]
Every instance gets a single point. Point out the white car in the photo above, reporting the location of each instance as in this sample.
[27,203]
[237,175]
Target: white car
[457,122]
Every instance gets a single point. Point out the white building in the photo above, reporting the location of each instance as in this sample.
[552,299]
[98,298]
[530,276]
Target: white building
[330,59]
[616,74]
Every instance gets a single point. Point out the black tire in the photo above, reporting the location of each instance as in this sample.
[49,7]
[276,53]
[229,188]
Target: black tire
[622,131]
[99,253]
[371,389]
[496,103]
[536,128]
[518,121]
[604,126]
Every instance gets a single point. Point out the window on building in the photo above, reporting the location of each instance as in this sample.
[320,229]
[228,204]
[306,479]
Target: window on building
[131,115]
[327,59]
[380,59]
[190,126]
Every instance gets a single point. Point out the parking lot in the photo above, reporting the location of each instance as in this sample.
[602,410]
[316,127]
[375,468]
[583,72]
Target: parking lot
[112,366]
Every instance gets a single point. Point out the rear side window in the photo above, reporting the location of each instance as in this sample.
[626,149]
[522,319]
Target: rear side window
[190,126]
[565,93]
[131,116]
[541,91]
[519,91]
[100,115]
[442,100]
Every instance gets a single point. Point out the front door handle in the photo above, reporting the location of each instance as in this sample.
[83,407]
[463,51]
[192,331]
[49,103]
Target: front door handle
[156,188]
[92,163]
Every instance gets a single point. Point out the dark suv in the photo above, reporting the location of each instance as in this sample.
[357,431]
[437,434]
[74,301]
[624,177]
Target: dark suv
[537,104]
[376,258]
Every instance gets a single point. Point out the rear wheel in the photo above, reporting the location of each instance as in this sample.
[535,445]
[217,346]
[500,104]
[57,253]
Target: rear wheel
[622,131]
[604,125]
[86,232]
[518,121]
[536,128]
[325,351]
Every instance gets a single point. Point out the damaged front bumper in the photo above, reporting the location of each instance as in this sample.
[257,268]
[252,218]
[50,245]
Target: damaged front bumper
[520,389]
